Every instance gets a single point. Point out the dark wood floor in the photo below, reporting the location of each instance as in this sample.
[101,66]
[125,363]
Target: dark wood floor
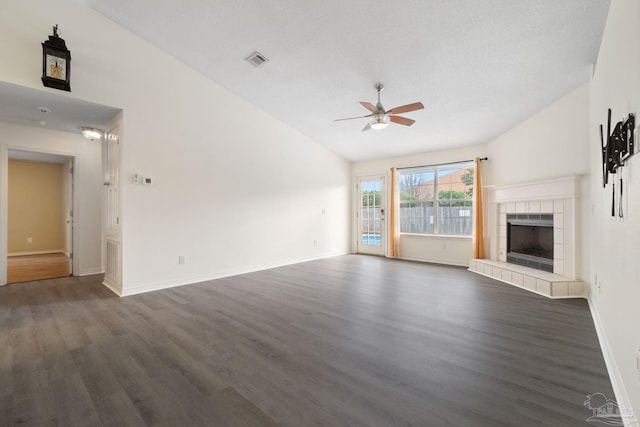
[351,340]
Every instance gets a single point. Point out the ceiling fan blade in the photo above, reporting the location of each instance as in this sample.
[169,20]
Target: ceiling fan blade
[367,127]
[369,106]
[406,108]
[353,118]
[401,120]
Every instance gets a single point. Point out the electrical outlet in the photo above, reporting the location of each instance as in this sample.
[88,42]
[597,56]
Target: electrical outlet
[638,362]
[181,259]
[29,240]
[315,243]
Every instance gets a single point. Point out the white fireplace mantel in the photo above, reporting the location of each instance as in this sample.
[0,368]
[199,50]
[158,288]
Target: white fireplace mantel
[564,187]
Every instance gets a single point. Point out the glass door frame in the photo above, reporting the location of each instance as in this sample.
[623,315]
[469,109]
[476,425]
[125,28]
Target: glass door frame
[371,224]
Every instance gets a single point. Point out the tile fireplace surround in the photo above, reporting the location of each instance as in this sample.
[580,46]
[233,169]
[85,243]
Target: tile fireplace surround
[557,196]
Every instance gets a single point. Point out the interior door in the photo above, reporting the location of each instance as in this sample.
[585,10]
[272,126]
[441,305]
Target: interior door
[371,226]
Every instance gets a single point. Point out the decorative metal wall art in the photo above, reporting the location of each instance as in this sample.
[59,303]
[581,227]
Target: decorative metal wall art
[620,145]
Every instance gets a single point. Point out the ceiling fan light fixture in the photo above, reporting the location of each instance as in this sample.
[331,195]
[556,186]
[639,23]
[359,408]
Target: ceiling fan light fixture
[382,117]
[380,121]
[91,133]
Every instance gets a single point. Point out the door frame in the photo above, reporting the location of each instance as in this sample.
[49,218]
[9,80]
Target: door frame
[4,207]
[70,170]
[113,272]
[382,177]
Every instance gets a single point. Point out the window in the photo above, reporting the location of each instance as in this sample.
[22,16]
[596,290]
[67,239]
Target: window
[437,200]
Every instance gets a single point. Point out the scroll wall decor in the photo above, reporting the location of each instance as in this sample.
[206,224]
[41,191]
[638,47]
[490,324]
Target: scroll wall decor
[620,145]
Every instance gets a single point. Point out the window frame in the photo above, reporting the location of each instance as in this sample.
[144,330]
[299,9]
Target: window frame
[436,200]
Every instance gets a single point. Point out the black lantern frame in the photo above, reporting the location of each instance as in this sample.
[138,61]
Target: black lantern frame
[56,47]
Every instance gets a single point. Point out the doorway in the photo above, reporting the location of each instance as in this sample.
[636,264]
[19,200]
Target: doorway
[39,216]
[371,228]
[53,127]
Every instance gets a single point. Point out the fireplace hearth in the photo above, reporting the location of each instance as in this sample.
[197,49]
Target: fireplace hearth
[530,240]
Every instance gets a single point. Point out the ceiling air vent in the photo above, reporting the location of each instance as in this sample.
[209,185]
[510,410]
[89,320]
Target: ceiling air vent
[256,59]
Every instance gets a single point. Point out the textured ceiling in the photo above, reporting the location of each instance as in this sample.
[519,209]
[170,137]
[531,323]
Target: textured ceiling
[479,67]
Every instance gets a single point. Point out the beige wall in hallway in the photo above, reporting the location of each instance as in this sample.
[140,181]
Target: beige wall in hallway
[35,207]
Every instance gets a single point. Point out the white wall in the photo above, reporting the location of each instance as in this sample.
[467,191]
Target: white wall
[439,249]
[87,184]
[615,253]
[235,189]
[551,143]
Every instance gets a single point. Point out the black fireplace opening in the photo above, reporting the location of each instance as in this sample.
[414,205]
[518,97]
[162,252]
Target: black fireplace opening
[530,240]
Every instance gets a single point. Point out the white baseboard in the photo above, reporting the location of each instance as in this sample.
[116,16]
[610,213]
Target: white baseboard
[622,398]
[198,279]
[52,251]
[89,272]
[436,261]
[112,287]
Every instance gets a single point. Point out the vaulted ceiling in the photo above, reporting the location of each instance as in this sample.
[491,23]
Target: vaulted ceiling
[479,67]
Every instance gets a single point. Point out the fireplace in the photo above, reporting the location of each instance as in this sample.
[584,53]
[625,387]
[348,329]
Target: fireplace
[530,240]
[550,207]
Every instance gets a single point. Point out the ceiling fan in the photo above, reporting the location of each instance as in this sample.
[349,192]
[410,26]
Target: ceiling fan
[382,117]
